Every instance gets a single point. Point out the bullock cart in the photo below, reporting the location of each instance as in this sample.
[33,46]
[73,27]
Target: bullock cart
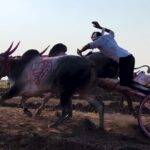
[142,113]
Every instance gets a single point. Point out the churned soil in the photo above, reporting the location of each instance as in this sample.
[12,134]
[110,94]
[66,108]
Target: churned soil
[81,132]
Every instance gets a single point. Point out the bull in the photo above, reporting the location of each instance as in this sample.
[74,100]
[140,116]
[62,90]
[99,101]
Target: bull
[104,67]
[61,75]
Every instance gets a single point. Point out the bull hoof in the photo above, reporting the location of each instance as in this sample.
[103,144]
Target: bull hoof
[2,102]
[57,114]
[101,129]
[27,112]
[38,113]
[61,120]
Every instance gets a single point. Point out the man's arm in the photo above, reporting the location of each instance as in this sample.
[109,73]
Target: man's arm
[97,25]
[84,48]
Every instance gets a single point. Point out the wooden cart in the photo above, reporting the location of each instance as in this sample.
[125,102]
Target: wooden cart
[142,113]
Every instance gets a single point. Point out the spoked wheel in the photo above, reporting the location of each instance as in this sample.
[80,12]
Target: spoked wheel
[144,116]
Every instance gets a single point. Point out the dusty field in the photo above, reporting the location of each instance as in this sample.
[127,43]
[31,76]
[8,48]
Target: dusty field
[18,131]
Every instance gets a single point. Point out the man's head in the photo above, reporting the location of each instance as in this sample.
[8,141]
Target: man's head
[95,35]
[57,49]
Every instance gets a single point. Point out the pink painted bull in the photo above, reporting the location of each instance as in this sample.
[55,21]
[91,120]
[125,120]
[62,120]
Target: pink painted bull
[61,75]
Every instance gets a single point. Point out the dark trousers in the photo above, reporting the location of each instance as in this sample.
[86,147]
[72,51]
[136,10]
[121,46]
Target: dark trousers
[126,70]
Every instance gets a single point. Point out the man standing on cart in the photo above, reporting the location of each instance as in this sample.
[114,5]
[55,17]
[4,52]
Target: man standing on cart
[107,44]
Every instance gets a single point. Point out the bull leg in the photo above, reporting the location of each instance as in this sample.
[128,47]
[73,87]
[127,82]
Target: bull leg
[13,91]
[66,114]
[92,97]
[39,111]
[121,104]
[66,105]
[130,105]
[99,105]
[24,107]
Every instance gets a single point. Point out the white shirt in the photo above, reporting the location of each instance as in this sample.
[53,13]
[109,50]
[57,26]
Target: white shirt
[109,47]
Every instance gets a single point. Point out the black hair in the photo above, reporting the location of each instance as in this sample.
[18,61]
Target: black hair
[97,34]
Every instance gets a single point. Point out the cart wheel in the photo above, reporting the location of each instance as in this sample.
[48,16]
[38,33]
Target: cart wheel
[144,116]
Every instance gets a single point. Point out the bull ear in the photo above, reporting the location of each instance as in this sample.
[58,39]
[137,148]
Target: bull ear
[10,52]
[45,50]
[7,51]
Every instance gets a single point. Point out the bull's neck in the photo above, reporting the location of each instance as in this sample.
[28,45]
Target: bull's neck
[14,69]
[17,66]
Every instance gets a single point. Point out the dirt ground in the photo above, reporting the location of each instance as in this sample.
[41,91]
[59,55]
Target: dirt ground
[19,132]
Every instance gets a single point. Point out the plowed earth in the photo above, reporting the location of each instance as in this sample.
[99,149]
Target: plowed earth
[17,131]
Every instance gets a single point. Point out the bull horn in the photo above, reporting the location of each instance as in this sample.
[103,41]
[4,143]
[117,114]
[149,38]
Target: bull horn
[45,50]
[6,52]
[148,68]
[10,52]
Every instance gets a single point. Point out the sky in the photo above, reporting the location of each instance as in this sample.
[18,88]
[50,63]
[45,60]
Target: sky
[38,23]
